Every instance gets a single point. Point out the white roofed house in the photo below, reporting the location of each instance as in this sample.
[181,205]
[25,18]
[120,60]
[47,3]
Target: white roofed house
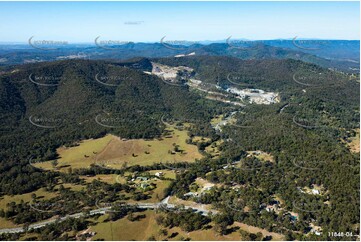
[191,194]
[316,230]
[159,174]
[315,192]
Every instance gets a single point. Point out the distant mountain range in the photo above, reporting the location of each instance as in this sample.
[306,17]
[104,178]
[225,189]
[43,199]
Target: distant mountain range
[338,54]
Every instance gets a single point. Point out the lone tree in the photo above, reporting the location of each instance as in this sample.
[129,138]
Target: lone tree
[54,163]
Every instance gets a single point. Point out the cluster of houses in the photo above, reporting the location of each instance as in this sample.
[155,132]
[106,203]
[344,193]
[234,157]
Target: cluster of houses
[272,206]
[143,181]
[206,188]
[312,191]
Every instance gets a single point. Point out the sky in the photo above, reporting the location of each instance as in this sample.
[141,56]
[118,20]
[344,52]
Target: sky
[77,22]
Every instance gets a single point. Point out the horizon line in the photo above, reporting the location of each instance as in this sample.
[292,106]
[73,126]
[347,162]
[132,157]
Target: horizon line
[185,41]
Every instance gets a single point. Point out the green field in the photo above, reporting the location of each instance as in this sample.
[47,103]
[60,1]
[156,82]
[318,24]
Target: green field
[354,145]
[26,197]
[76,157]
[108,178]
[114,152]
[123,229]
[213,149]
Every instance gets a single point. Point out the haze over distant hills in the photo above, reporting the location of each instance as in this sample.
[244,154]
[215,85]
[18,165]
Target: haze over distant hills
[338,54]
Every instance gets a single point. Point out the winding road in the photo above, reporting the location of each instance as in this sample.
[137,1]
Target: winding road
[163,204]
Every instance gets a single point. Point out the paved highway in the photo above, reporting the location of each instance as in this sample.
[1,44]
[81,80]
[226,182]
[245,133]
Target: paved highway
[163,204]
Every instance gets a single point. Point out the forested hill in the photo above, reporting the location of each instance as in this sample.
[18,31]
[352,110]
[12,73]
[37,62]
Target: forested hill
[47,105]
[67,98]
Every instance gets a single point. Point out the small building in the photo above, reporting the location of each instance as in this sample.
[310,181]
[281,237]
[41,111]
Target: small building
[142,178]
[144,185]
[207,188]
[159,174]
[316,231]
[272,208]
[315,192]
[191,194]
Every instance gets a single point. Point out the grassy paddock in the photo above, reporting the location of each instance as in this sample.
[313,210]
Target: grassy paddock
[114,152]
[123,229]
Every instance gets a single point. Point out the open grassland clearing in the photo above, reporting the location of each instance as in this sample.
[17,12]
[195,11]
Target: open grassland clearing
[261,155]
[354,144]
[158,194]
[199,139]
[26,197]
[108,178]
[41,194]
[254,230]
[216,120]
[203,185]
[213,149]
[170,174]
[172,147]
[7,224]
[81,156]
[123,229]
[73,187]
[114,153]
